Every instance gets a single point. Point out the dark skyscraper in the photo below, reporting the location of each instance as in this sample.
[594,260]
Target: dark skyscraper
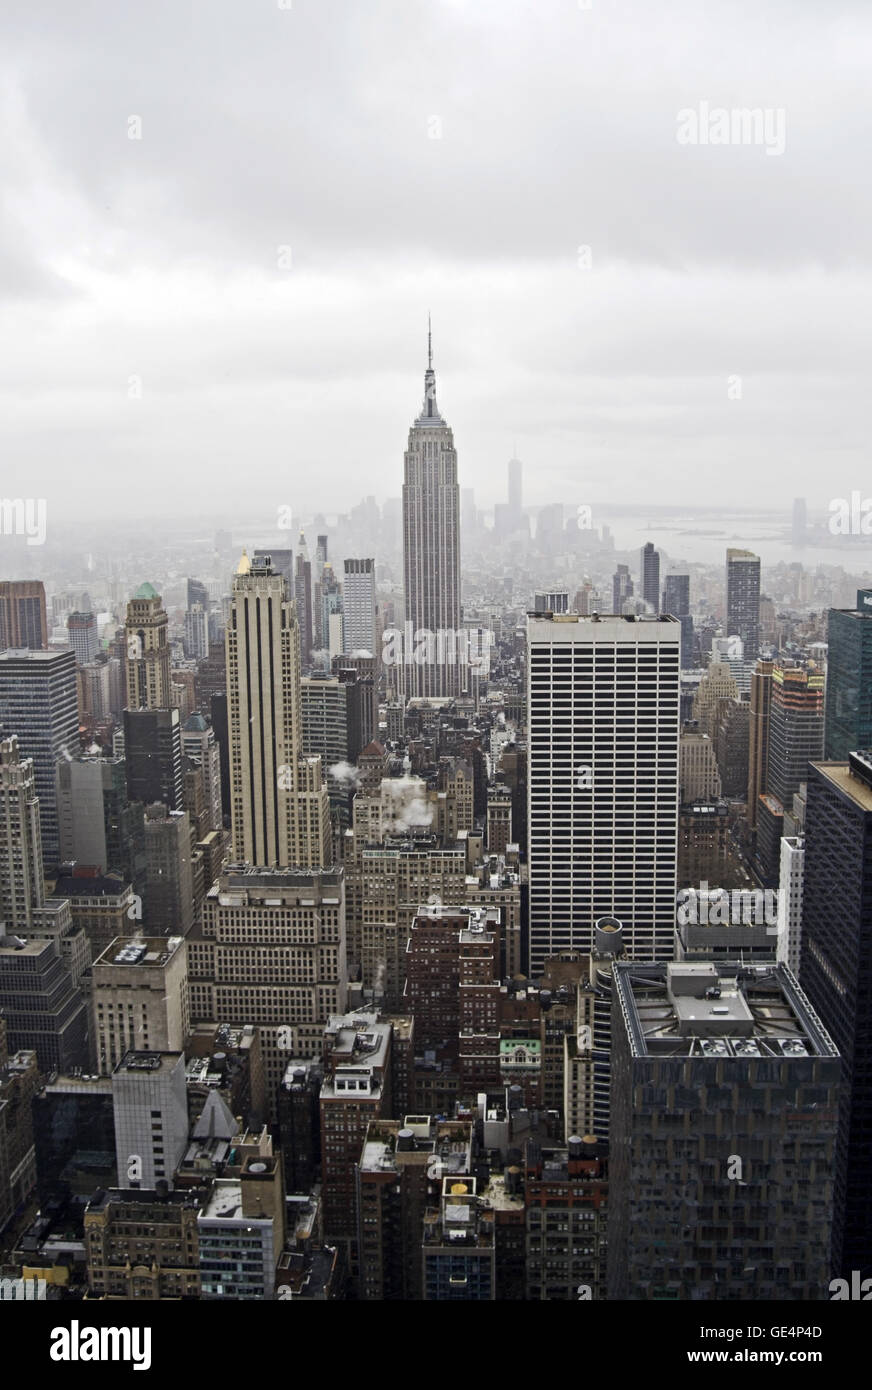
[622,588]
[743,600]
[836,973]
[198,593]
[22,614]
[153,756]
[849,679]
[431,544]
[676,594]
[676,600]
[38,703]
[711,1200]
[650,570]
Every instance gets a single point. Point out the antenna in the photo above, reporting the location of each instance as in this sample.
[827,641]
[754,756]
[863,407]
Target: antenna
[429,344]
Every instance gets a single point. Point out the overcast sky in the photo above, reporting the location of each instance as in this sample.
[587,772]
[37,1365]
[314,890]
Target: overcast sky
[161,346]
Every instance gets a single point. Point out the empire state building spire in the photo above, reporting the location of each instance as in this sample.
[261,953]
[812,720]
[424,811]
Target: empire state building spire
[429,410]
[431,545]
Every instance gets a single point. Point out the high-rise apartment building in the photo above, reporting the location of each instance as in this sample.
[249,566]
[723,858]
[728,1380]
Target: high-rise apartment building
[849,679]
[732,1199]
[148,652]
[835,963]
[743,600]
[431,545]
[279,804]
[38,703]
[650,573]
[358,607]
[603,779]
[84,641]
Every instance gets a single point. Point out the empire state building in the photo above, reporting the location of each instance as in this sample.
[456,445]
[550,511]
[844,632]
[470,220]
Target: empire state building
[431,552]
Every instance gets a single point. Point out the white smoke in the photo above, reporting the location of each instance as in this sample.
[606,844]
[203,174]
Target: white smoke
[346,774]
[410,807]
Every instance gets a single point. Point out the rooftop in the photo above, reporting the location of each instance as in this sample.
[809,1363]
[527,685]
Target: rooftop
[717,1010]
[147,1063]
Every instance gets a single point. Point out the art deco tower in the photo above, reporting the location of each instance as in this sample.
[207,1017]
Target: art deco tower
[431,542]
[278,799]
[148,653]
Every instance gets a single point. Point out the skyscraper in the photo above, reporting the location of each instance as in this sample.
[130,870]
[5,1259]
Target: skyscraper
[676,594]
[22,614]
[796,728]
[758,737]
[153,756]
[21,882]
[743,600]
[622,588]
[303,596]
[834,971]
[197,632]
[712,1201]
[650,569]
[148,653]
[431,542]
[358,606]
[84,641]
[278,799]
[603,702]
[849,679]
[38,703]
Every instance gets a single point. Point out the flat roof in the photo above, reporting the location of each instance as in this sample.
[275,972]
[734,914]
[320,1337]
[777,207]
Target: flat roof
[718,1009]
[840,776]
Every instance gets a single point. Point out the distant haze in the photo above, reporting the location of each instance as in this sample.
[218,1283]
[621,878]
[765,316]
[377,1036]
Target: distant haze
[231,309]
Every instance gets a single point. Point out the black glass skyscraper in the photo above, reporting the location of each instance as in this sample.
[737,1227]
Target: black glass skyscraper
[836,974]
[849,678]
[743,600]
